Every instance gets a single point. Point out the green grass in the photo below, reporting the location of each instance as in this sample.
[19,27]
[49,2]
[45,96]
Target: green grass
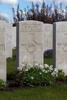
[40,93]
[48,61]
[11,63]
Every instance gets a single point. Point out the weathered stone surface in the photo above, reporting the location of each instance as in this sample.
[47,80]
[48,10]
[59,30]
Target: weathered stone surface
[48,36]
[61,45]
[34,38]
[2,52]
[13,37]
[8,40]
[31,42]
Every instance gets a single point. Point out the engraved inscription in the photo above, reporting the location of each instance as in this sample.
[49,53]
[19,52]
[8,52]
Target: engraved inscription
[30,42]
[28,28]
[61,44]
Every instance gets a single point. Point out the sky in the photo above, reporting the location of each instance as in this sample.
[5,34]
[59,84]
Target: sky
[6,5]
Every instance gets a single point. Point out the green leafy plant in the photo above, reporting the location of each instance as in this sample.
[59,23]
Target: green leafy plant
[60,75]
[2,84]
[36,76]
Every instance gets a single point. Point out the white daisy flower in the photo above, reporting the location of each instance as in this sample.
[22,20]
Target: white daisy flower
[19,68]
[32,77]
[41,66]
[46,65]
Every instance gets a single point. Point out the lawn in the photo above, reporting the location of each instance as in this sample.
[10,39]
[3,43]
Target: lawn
[11,63]
[48,61]
[39,93]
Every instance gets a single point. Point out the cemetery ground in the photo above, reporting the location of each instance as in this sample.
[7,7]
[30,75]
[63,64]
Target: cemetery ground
[39,93]
[56,92]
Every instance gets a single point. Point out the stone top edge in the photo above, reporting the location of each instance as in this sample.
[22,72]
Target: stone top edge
[60,22]
[2,21]
[33,21]
[30,21]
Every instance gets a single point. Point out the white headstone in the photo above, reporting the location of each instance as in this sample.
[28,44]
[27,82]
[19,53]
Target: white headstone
[31,42]
[13,37]
[48,36]
[2,52]
[61,45]
[8,40]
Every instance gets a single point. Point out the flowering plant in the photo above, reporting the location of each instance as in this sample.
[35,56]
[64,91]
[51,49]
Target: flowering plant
[37,75]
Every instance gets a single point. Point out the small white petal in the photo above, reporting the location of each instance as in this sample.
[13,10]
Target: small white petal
[46,66]
[32,77]
[41,66]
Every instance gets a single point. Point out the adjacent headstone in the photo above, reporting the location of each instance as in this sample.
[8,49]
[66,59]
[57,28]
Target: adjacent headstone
[30,43]
[13,37]
[8,40]
[48,36]
[61,45]
[2,52]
